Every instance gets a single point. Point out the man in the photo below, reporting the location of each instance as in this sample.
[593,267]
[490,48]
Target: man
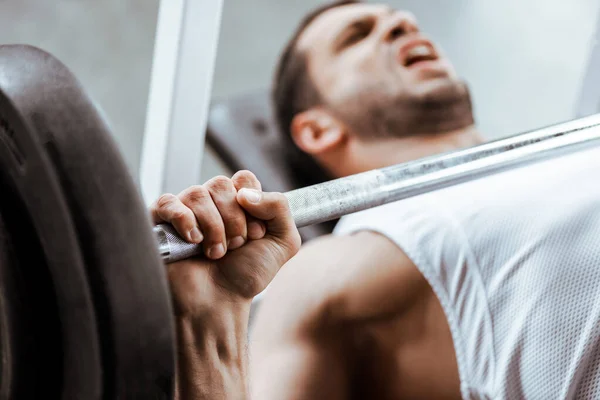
[486,290]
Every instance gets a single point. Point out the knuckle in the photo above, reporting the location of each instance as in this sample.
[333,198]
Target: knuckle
[195,194]
[281,201]
[165,200]
[245,175]
[246,178]
[178,213]
[219,184]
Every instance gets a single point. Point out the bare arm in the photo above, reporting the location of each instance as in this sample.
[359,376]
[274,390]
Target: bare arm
[247,235]
[302,344]
[300,347]
[212,355]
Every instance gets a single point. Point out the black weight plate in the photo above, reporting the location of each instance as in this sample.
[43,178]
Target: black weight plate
[125,273]
[46,301]
[30,334]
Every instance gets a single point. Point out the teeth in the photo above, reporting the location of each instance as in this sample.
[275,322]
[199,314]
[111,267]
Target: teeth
[419,51]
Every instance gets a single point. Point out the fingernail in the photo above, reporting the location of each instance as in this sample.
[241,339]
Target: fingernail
[196,235]
[253,196]
[236,243]
[255,230]
[216,251]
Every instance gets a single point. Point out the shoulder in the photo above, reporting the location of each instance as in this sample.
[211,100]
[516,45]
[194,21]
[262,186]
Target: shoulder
[341,278]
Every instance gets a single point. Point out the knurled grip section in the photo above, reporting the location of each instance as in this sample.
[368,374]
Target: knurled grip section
[172,247]
[330,200]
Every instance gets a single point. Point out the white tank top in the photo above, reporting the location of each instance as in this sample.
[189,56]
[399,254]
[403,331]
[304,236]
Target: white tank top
[515,262]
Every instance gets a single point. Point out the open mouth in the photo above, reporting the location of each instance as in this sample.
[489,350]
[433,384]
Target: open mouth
[419,53]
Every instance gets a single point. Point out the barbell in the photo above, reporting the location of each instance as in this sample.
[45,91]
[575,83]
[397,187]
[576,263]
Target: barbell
[85,310]
[334,199]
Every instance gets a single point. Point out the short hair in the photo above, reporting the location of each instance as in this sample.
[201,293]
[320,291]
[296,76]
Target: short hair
[294,92]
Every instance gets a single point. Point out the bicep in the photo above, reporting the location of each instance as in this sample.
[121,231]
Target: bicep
[300,346]
[294,353]
[376,280]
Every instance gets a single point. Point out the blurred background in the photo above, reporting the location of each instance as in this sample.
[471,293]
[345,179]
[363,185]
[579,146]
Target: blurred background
[525,60]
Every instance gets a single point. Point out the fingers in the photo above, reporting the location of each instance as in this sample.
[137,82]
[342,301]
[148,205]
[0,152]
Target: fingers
[273,208]
[223,194]
[270,207]
[256,229]
[224,214]
[168,208]
[281,231]
[208,218]
[247,180]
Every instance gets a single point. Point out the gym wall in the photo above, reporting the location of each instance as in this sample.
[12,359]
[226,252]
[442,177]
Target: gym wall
[524,60]
[108,44]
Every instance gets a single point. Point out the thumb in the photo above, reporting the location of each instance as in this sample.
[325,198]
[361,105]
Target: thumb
[271,207]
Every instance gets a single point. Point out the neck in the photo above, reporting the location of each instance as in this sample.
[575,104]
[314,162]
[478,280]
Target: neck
[380,153]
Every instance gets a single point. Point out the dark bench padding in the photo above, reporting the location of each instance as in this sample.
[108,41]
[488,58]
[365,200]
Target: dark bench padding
[243,134]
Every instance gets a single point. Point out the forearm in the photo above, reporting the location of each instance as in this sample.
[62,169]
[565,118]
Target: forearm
[212,355]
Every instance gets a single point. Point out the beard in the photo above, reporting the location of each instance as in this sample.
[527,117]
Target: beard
[439,106]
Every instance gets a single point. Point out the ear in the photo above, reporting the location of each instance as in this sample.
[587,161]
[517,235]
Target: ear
[316,131]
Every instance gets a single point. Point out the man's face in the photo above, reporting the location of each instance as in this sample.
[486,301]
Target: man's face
[370,57]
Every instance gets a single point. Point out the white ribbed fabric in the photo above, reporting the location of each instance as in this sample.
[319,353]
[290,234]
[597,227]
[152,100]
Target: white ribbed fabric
[515,262]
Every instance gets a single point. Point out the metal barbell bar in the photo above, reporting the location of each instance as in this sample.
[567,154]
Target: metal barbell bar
[331,200]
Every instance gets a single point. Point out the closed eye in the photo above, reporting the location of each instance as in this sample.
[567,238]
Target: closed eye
[356,36]
[357,32]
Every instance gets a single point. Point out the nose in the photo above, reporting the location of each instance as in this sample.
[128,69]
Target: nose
[399,23]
